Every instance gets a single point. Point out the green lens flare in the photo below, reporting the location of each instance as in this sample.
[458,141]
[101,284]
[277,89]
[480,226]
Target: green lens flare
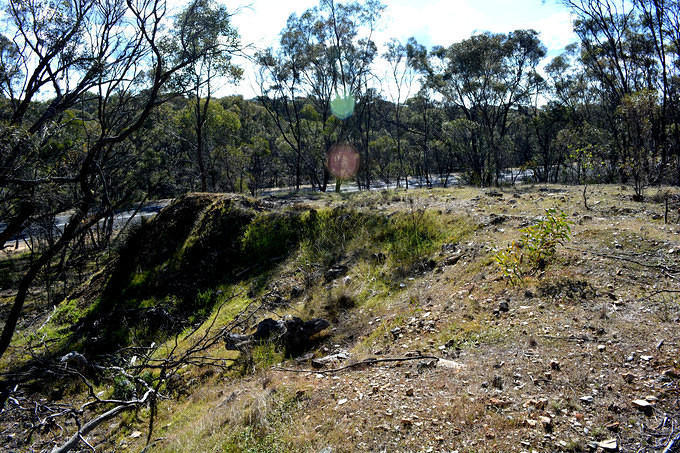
[343,106]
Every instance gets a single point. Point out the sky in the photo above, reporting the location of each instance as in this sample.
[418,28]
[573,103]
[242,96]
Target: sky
[431,22]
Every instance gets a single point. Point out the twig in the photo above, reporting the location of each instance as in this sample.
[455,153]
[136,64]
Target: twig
[89,426]
[83,440]
[671,445]
[370,361]
[664,269]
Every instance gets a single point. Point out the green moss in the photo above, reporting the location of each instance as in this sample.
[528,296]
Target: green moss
[66,312]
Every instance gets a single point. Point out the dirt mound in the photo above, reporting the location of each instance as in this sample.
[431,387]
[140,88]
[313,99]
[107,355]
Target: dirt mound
[192,244]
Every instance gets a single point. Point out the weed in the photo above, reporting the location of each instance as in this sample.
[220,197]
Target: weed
[536,247]
[262,419]
[123,389]
[265,355]
[599,432]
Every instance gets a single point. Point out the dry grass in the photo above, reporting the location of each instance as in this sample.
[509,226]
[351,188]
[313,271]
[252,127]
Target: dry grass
[570,332]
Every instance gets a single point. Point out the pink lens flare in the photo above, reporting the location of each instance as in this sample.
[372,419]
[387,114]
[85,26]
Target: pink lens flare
[343,161]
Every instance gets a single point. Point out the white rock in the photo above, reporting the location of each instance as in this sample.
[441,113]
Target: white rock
[452,364]
[643,405]
[609,445]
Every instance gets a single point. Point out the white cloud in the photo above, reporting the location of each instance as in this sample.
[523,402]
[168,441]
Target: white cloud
[431,22]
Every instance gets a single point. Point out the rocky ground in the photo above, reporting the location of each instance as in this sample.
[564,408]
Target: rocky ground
[582,356]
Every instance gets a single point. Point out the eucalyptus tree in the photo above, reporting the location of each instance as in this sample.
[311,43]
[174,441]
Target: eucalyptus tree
[205,27]
[619,57]
[400,79]
[423,120]
[221,162]
[281,95]
[661,20]
[104,66]
[485,76]
[547,158]
[255,142]
[324,52]
[605,29]
[638,114]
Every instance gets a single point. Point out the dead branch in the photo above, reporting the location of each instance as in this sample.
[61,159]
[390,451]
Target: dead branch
[672,443]
[369,361]
[89,426]
[145,358]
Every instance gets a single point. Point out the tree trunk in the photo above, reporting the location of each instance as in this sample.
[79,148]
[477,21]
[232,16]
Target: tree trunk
[30,275]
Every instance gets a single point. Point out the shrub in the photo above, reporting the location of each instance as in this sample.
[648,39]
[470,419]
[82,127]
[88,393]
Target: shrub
[536,247]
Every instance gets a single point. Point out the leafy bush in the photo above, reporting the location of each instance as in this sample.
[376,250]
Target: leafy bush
[536,247]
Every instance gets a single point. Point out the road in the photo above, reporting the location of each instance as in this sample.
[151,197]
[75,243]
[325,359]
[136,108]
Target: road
[119,220]
[506,177]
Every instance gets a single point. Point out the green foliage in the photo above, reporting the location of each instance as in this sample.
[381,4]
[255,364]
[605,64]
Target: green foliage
[270,235]
[412,236]
[265,355]
[123,389]
[536,247]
